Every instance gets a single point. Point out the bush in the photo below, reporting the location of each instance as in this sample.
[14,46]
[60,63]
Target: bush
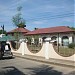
[71,45]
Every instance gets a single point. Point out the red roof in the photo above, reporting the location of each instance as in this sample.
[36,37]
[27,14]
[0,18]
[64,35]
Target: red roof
[22,30]
[58,29]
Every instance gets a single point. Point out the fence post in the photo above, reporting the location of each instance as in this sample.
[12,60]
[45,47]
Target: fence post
[47,48]
[23,46]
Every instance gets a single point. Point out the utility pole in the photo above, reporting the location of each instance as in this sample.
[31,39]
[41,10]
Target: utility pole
[2,29]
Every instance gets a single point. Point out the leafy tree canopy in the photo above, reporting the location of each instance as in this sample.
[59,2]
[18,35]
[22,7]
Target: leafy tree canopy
[4,32]
[73,28]
[18,20]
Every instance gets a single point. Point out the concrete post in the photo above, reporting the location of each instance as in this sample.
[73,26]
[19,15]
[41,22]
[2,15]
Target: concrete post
[47,48]
[23,52]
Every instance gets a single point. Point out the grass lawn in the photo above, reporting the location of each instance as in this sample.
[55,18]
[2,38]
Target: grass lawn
[65,51]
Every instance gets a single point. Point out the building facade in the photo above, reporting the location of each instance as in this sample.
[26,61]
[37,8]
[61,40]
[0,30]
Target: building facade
[60,35]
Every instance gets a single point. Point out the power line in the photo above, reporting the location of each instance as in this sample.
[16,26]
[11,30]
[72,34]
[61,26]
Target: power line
[53,17]
[50,17]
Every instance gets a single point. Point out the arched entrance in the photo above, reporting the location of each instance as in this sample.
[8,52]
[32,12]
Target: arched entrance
[65,41]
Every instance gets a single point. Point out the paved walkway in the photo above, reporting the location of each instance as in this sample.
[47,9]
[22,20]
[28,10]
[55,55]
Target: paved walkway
[65,63]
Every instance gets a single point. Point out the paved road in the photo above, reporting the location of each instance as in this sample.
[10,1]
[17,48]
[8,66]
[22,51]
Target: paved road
[20,66]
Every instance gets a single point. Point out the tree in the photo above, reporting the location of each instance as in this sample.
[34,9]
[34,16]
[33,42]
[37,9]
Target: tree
[73,28]
[2,32]
[18,20]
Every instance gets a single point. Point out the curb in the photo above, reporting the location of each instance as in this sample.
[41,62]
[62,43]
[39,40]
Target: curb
[46,61]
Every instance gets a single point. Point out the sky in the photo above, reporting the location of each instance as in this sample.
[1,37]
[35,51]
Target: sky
[38,13]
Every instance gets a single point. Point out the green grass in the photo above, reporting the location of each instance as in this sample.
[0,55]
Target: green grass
[65,51]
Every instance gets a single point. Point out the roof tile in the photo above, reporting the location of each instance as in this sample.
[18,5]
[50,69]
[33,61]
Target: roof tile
[23,30]
[57,29]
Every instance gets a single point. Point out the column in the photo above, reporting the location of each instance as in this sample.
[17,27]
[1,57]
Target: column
[23,47]
[60,41]
[70,39]
[47,49]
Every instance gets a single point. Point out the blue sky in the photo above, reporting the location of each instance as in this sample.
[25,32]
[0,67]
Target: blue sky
[38,13]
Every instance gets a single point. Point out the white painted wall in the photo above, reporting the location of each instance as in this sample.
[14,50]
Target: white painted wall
[32,40]
[70,39]
[20,50]
[54,55]
[40,53]
[47,51]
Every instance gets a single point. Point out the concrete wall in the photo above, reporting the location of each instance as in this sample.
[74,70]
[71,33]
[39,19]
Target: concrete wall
[47,51]
[23,49]
[53,54]
[18,50]
[40,53]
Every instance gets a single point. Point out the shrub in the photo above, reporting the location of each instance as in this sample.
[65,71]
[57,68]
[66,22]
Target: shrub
[71,45]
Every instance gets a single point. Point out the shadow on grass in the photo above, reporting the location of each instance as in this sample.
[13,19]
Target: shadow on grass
[11,71]
[44,70]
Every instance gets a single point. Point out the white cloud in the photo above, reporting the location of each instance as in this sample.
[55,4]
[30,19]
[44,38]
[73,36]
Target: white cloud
[18,2]
[68,19]
[6,10]
[39,22]
[11,6]
[35,10]
[46,8]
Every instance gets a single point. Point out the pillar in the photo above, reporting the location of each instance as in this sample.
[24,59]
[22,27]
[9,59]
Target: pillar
[70,39]
[47,48]
[60,41]
[23,47]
